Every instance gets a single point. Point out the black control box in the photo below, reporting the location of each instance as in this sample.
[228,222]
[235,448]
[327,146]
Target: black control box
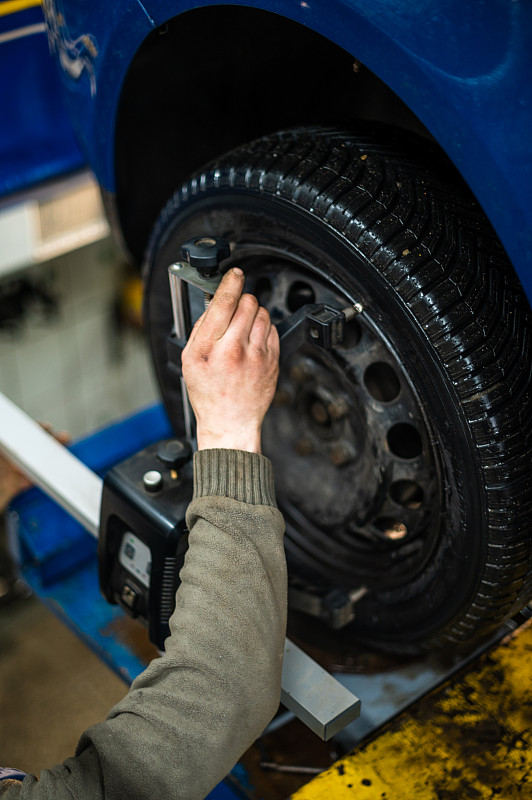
[143,535]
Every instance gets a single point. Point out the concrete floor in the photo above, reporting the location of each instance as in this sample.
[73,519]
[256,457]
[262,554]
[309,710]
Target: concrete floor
[52,687]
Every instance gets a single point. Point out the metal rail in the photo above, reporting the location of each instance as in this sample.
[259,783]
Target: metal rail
[50,466]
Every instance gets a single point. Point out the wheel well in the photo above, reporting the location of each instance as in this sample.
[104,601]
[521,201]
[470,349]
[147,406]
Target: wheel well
[216,77]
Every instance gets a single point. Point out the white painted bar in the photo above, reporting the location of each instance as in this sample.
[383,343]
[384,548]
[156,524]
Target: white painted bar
[50,465]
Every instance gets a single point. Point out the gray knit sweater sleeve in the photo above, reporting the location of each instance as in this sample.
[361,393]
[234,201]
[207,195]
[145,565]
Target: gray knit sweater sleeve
[193,712]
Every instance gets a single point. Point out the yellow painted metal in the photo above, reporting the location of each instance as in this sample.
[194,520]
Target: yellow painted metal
[12,6]
[469,740]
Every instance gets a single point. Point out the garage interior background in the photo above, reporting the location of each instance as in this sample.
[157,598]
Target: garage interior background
[69,362]
[71,354]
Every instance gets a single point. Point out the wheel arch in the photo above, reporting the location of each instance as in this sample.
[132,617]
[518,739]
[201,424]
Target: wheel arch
[240,88]
[238,72]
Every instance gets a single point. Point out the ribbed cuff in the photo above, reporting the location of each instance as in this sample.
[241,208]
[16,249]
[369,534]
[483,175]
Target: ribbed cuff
[243,476]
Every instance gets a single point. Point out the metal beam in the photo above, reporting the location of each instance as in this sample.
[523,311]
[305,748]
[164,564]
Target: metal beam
[314,696]
[50,466]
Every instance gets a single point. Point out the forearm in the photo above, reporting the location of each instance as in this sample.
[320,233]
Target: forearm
[218,684]
[222,666]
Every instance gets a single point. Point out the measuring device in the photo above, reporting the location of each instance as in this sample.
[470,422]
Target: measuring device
[143,536]
[138,510]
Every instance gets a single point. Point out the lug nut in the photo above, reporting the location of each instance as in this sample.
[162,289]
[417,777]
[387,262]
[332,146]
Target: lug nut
[304,447]
[298,373]
[338,408]
[301,370]
[341,454]
[320,414]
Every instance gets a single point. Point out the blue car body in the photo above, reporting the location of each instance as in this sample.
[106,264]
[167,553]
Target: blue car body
[36,138]
[462,68]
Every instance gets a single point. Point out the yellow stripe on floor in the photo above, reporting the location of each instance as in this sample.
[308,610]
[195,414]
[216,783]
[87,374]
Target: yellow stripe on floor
[469,740]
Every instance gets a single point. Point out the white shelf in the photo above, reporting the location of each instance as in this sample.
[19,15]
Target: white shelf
[49,221]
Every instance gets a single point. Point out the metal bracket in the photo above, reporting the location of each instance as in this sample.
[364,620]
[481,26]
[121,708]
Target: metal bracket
[189,274]
[335,607]
[313,695]
[315,323]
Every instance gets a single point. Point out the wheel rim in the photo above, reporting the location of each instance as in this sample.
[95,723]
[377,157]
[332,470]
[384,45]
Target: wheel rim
[356,474]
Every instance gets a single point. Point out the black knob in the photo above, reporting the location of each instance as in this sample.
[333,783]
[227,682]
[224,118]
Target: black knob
[174,452]
[205,253]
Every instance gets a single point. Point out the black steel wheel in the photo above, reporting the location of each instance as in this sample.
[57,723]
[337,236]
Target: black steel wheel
[401,456]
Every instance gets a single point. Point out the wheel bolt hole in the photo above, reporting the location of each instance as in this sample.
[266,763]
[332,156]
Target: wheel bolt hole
[300,294]
[391,528]
[404,440]
[407,494]
[382,382]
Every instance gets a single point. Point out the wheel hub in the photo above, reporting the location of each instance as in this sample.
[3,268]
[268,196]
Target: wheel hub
[319,407]
[354,468]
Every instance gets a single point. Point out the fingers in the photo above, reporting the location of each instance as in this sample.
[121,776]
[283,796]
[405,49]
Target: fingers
[260,330]
[273,342]
[218,316]
[244,319]
[236,315]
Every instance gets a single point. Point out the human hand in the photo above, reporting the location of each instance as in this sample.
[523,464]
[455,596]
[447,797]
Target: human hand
[12,480]
[230,367]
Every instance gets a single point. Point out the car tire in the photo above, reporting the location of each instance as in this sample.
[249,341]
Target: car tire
[402,456]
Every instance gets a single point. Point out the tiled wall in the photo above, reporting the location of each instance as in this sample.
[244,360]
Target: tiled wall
[74,370]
